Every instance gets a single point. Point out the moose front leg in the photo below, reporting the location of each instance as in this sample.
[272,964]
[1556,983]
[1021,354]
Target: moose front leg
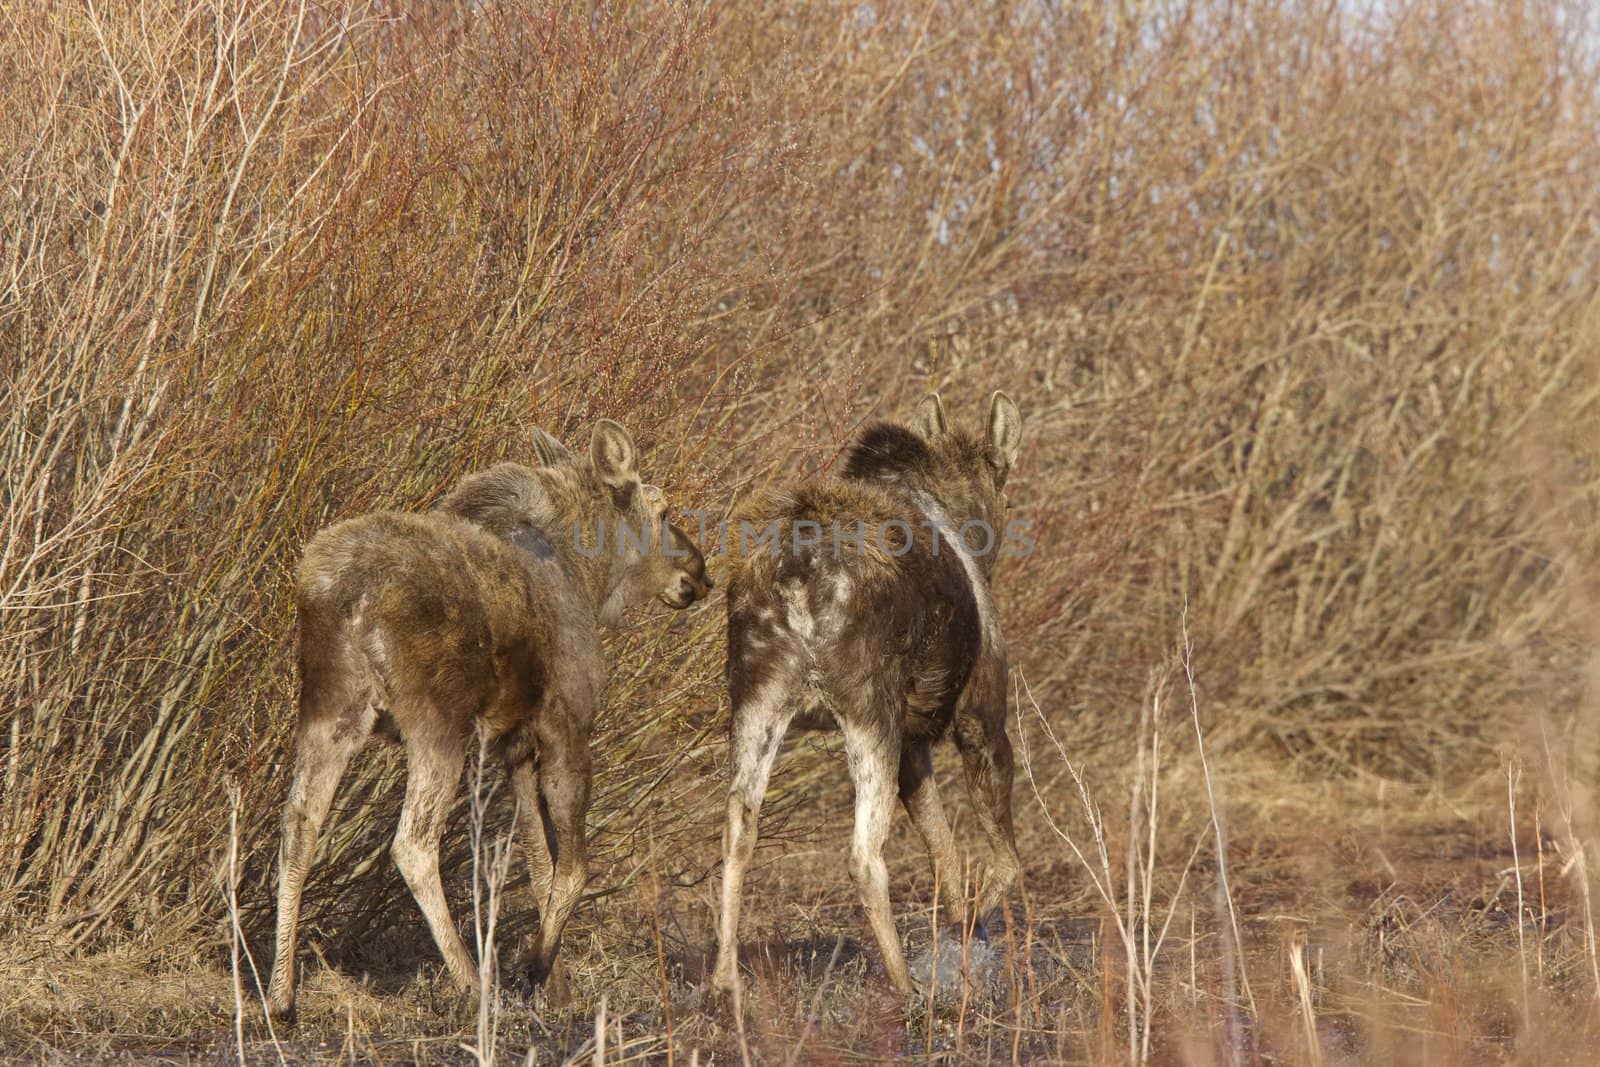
[563,784]
[980,735]
[532,829]
[919,792]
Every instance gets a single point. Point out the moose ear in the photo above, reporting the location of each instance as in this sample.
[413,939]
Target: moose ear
[551,453]
[928,418]
[611,451]
[1005,432]
[654,498]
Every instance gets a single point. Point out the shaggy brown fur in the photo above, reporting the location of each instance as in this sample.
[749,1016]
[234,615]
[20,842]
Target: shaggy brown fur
[480,616]
[889,635]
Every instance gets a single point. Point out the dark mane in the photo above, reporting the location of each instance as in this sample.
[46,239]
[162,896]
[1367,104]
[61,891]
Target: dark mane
[886,451]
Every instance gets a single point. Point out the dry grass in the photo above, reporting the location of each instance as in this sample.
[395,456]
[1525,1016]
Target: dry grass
[1300,302]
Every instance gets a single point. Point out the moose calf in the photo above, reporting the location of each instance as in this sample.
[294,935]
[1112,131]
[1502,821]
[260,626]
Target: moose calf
[479,616]
[860,605]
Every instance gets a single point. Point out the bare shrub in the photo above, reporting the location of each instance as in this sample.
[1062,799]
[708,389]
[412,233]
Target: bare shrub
[1304,296]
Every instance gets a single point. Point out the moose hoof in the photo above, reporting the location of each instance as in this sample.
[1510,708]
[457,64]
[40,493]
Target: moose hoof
[526,976]
[533,975]
[285,1013]
[723,991]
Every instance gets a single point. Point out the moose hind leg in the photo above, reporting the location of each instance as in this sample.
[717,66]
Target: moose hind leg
[872,759]
[332,727]
[761,716]
[432,777]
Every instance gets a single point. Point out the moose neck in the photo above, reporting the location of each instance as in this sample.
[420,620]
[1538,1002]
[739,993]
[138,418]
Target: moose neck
[591,552]
[945,528]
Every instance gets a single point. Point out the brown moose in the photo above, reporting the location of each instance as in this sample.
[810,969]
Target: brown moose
[864,605]
[482,615]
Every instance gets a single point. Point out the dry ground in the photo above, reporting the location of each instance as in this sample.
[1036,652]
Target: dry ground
[1404,903]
